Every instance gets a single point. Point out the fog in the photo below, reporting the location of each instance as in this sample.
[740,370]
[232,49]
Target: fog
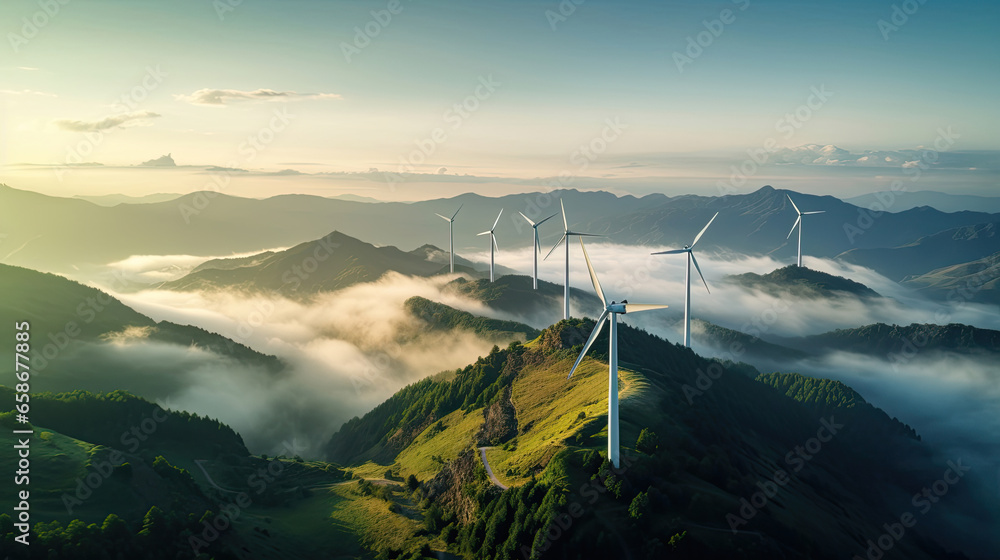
[348,351]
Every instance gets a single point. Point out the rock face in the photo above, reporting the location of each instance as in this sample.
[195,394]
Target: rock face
[445,489]
[500,422]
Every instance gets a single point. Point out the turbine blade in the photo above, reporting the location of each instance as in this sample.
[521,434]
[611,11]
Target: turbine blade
[485,233]
[546,219]
[581,234]
[565,223]
[793,204]
[593,275]
[636,307]
[702,232]
[497,220]
[593,336]
[457,211]
[671,252]
[445,218]
[494,237]
[533,224]
[797,220]
[538,245]
[814,212]
[558,243]
[698,268]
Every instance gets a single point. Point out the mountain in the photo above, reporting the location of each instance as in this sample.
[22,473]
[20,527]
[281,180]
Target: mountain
[57,234]
[439,316]
[884,340]
[116,199]
[946,202]
[162,161]
[702,450]
[928,253]
[758,223]
[331,263]
[976,281]
[82,338]
[725,340]
[802,282]
[514,294]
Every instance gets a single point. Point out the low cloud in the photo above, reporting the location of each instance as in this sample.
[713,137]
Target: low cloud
[226,96]
[124,120]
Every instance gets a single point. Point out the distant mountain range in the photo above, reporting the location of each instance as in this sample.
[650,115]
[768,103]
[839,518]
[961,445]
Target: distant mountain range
[977,281]
[903,200]
[58,234]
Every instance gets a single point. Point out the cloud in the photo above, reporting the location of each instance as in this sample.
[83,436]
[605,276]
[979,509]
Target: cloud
[225,96]
[124,120]
[347,352]
[27,92]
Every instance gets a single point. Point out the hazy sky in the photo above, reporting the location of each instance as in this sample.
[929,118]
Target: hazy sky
[120,82]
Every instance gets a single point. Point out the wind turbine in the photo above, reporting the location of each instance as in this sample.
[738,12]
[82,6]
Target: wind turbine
[566,234]
[798,222]
[451,234]
[611,312]
[689,249]
[493,238]
[538,247]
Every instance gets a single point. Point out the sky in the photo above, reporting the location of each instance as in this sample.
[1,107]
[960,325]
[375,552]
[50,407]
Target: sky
[507,88]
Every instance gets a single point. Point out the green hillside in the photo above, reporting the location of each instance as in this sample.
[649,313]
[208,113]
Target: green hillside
[697,440]
[801,282]
[442,317]
[81,337]
[884,340]
[514,294]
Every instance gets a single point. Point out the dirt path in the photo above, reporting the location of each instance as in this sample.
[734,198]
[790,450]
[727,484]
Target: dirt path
[489,471]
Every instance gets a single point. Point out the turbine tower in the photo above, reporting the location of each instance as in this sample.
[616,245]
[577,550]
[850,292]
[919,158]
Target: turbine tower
[689,249]
[493,239]
[451,234]
[565,238]
[611,312]
[538,247]
[798,223]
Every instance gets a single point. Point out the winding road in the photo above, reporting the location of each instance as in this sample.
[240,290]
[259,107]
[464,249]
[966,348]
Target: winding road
[489,471]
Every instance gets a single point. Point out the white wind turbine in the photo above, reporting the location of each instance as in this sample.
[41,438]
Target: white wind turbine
[566,235]
[689,249]
[798,222]
[611,312]
[451,234]
[493,239]
[538,247]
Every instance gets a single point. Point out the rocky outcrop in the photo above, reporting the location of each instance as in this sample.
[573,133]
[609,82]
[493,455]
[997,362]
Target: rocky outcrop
[500,421]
